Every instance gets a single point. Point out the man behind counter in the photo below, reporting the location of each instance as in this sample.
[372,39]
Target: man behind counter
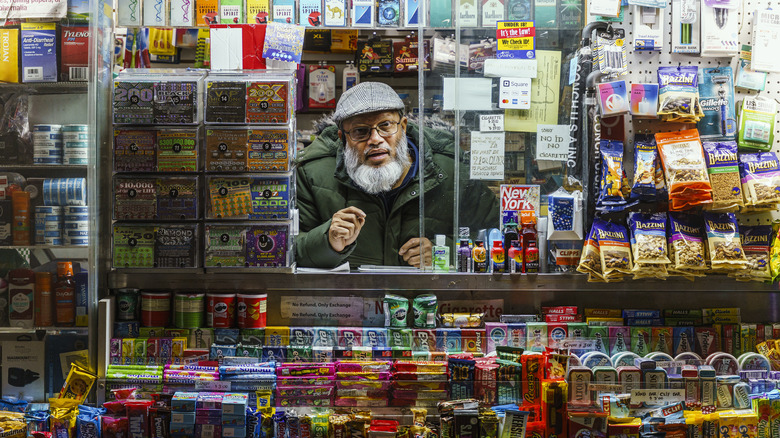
[360,202]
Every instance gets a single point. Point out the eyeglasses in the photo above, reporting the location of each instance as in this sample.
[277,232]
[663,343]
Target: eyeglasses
[363,132]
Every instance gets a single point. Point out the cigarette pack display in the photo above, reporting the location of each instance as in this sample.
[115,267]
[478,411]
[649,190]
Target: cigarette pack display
[133,102]
[182,12]
[9,54]
[74,53]
[226,150]
[39,52]
[268,102]
[284,11]
[155,12]
[133,246]
[335,13]
[258,11]
[310,12]
[363,13]
[135,150]
[468,13]
[206,12]
[176,102]
[388,13]
[225,101]
[177,150]
[135,198]
[269,150]
[177,198]
[175,246]
[492,12]
[412,15]
[231,12]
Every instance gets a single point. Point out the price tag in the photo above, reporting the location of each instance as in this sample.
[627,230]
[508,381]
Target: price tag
[578,344]
[216,386]
[657,396]
[491,122]
[670,364]
[605,387]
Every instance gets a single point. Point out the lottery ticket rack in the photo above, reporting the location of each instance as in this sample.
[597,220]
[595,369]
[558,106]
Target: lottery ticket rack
[53,103]
[178,206]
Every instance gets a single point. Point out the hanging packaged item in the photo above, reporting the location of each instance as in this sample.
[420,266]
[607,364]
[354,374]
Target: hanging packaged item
[685,169]
[686,246]
[611,52]
[611,185]
[614,248]
[766,25]
[716,97]
[760,173]
[322,86]
[645,160]
[375,57]
[649,27]
[405,55]
[590,259]
[613,98]
[648,238]
[756,242]
[644,100]
[723,242]
[719,28]
[757,123]
[723,168]
[679,94]
[747,77]
[686,21]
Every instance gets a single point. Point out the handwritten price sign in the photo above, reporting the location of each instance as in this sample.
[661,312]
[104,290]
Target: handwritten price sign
[657,396]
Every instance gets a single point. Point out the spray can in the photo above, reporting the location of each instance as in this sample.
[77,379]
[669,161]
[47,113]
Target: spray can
[44,307]
[65,295]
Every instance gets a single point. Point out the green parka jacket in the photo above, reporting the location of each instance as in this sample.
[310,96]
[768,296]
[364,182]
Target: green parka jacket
[323,188]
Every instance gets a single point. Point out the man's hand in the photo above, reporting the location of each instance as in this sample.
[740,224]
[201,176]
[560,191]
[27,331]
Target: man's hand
[410,251]
[345,227]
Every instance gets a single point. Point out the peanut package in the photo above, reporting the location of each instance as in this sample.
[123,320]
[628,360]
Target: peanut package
[760,173]
[683,161]
[723,242]
[686,245]
[723,169]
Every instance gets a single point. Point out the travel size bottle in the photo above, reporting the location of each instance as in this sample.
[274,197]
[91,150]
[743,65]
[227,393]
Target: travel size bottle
[65,295]
[479,257]
[441,255]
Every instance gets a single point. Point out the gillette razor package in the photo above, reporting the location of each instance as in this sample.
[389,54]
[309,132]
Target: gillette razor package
[716,96]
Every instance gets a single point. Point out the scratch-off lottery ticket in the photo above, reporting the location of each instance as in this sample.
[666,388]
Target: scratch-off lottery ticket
[177,151]
[266,102]
[269,150]
[133,103]
[226,150]
[177,198]
[134,150]
[225,102]
[230,197]
[133,246]
[175,246]
[176,102]
[225,245]
[135,198]
[267,245]
[270,198]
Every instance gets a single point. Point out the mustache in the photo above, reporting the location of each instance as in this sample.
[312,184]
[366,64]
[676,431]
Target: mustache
[373,149]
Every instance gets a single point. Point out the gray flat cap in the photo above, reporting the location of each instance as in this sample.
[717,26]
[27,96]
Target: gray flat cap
[366,97]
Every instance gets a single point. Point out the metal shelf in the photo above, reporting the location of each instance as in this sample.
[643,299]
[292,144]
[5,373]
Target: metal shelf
[49,330]
[84,247]
[43,167]
[48,87]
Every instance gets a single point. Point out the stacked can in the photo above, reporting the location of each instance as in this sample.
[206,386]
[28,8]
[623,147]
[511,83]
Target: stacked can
[76,225]
[75,144]
[48,225]
[65,191]
[188,310]
[47,144]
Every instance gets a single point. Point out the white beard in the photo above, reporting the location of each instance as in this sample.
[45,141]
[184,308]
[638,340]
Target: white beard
[372,179]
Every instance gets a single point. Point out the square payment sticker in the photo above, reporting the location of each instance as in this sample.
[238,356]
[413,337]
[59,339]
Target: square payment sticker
[514,93]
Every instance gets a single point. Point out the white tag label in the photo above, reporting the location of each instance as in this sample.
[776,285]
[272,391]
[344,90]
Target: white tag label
[605,387]
[491,122]
[515,93]
[657,396]
[670,364]
[487,155]
[577,344]
[220,386]
[552,142]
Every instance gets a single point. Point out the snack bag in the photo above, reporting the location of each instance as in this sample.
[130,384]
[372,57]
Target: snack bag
[756,242]
[678,99]
[63,416]
[760,173]
[614,248]
[590,259]
[685,169]
[611,184]
[723,242]
[645,156]
[77,384]
[774,253]
[723,169]
[648,238]
[686,245]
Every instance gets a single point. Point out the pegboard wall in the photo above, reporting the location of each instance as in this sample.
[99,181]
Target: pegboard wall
[643,68]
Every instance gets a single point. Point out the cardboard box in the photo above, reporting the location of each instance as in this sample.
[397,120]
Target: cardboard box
[9,54]
[39,52]
[74,53]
